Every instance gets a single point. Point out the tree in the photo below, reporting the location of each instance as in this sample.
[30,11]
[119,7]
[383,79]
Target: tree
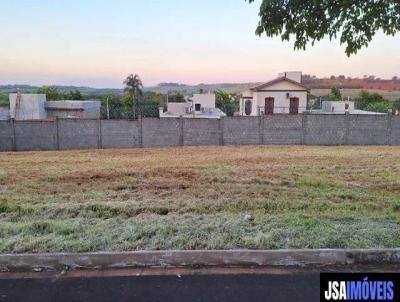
[4,100]
[356,21]
[75,95]
[396,105]
[176,98]
[133,89]
[335,94]
[313,102]
[112,107]
[159,98]
[372,102]
[149,104]
[51,92]
[228,103]
[382,107]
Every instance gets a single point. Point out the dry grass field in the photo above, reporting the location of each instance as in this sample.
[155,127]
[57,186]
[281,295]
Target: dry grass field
[197,198]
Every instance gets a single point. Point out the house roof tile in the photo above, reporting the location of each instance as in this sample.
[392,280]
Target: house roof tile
[277,80]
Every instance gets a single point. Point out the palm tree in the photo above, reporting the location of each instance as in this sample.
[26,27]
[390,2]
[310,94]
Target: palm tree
[133,88]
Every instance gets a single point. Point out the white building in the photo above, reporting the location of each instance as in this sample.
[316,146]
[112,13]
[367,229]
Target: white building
[27,106]
[35,107]
[342,107]
[337,106]
[73,109]
[283,95]
[197,106]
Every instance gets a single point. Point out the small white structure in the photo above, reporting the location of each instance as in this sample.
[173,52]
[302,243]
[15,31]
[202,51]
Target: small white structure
[296,76]
[342,107]
[35,107]
[27,106]
[197,106]
[73,109]
[283,95]
[337,106]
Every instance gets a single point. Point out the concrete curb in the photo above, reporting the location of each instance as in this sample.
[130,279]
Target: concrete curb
[196,259]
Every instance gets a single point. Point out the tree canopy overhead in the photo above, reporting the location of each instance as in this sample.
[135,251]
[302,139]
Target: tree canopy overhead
[355,21]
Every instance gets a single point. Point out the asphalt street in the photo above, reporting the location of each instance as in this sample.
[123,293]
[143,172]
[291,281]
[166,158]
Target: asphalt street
[194,287]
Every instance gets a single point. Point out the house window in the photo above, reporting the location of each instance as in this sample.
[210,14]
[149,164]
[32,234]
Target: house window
[247,107]
[269,105]
[197,107]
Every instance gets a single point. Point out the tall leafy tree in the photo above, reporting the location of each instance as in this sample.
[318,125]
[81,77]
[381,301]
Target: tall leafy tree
[335,94]
[396,105]
[133,89]
[372,102]
[52,93]
[228,103]
[355,21]
[4,100]
[113,107]
[75,95]
[176,97]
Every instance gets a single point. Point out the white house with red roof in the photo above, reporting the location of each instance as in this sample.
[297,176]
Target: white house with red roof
[283,95]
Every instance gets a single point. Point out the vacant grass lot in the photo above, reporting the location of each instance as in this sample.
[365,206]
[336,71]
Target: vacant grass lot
[197,198]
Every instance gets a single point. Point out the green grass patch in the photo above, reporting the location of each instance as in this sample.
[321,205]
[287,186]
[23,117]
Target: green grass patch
[197,198]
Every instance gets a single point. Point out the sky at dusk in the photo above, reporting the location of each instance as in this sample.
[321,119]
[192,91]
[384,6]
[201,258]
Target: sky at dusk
[98,42]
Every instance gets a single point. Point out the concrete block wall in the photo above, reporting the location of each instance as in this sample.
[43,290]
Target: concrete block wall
[4,114]
[35,135]
[394,135]
[241,130]
[282,130]
[67,134]
[120,134]
[78,134]
[201,132]
[161,132]
[6,136]
[368,130]
[325,129]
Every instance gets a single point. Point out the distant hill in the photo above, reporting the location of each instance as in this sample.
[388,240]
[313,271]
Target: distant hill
[367,83]
[189,89]
[161,88]
[84,90]
[312,82]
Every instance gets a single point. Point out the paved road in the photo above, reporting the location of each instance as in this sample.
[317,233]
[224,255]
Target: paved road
[194,287]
